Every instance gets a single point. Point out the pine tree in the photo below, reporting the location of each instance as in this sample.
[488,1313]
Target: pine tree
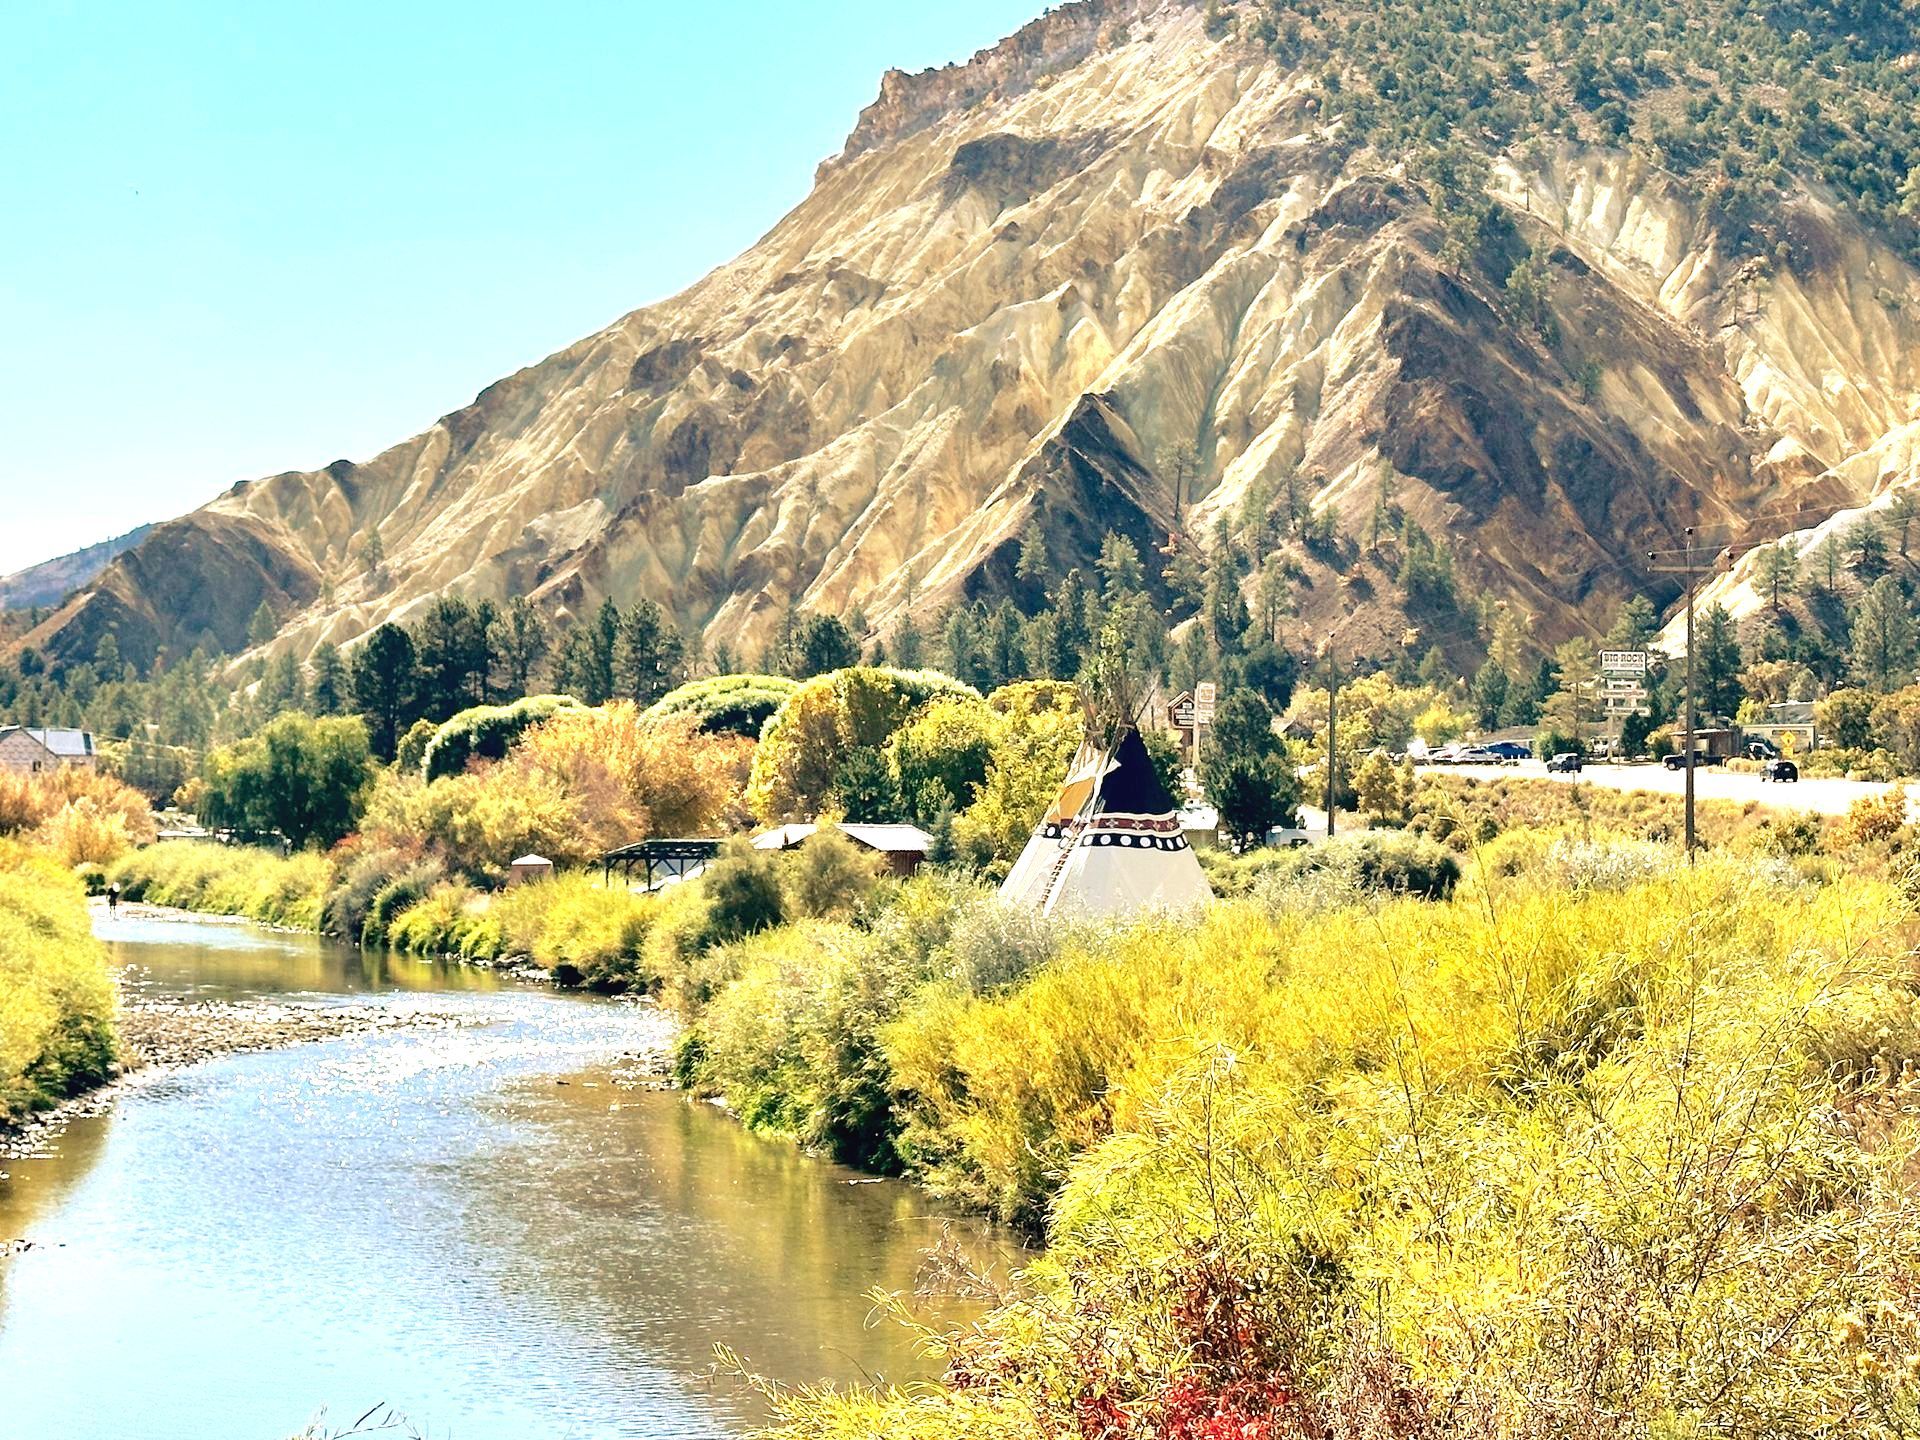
[1717,670]
[1777,570]
[1032,566]
[649,654]
[1901,510]
[1635,626]
[521,641]
[1866,549]
[262,627]
[1828,555]
[603,639]
[328,689]
[1121,572]
[383,686]
[1883,642]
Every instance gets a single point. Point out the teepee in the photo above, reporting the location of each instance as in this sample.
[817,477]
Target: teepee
[1124,850]
[1027,883]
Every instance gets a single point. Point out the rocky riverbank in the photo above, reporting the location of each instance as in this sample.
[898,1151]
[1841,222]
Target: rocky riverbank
[159,1035]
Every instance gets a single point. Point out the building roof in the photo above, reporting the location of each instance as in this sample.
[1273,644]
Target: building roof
[783,837]
[534,860]
[894,839]
[889,838]
[68,744]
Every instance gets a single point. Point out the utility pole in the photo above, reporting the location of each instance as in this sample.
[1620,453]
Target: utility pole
[1333,690]
[1689,567]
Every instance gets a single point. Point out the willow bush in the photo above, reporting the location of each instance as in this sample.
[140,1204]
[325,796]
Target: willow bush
[56,1000]
[1629,1158]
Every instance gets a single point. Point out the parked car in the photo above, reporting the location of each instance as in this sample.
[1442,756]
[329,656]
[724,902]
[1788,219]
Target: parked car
[1760,748]
[1567,762]
[1476,755]
[1783,772]
[1509,752]
[1700,760]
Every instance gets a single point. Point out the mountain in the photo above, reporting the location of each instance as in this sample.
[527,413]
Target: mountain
[51,581]
[1541,285]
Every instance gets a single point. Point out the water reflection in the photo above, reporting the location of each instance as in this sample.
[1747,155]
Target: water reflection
[427,1219]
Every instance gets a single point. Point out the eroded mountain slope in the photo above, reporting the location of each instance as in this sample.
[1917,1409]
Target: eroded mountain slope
[1027,281]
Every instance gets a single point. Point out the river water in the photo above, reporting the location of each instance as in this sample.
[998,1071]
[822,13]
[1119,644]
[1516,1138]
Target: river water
[472,1225]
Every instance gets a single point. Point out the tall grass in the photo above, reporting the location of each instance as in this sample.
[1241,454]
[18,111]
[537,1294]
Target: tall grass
[56,1000]
[274,889]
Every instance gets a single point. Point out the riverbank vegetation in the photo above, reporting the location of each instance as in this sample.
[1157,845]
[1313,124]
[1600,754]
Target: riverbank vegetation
[1605,1145]
[56,1000]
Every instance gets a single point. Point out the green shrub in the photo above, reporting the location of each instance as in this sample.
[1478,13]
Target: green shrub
[397,895]
[584,933]
[486,732]
[56,1000]
[726,704]
[263,885]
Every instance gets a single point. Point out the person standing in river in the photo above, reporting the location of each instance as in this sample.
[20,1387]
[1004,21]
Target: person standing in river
[113,899]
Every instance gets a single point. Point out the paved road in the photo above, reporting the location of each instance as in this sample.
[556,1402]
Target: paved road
[1826,796]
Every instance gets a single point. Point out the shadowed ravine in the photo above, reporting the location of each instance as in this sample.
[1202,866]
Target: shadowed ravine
[429,1219]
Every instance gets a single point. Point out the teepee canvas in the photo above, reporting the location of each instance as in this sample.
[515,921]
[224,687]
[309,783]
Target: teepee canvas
[1127,852]
[1026,884]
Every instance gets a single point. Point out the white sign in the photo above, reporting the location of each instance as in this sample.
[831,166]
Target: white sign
[1623,662]
[1204,695]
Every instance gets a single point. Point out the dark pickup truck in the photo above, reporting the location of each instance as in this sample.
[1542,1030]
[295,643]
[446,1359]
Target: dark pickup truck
[1700,759]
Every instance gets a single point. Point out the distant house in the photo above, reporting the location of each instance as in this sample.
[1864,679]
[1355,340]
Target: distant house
[904,846]
[26,751]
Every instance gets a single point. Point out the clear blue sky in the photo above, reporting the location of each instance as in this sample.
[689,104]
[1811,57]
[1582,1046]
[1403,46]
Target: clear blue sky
[245,238]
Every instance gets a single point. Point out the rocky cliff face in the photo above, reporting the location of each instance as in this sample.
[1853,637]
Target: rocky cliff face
[1029,279]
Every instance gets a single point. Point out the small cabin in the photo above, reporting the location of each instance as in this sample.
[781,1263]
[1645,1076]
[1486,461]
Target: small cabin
[904,846]
[27,751]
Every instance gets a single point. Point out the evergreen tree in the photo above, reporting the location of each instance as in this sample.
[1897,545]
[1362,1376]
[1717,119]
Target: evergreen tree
[574,667]
[330,687]
[1827,557]
[962,645]
[521,641]
[262,627]
[603,638]
[1121,573]
[1246,772]
[383,686]
[1032,566]
[649,654]
[1635,626]
[1901,511]
[1001,652]
[1866,549]
[1491,687]
[823,643]
[1717,671]
[1883,648]
[1776,570]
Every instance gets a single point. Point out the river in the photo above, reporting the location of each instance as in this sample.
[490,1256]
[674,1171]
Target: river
[472,1225]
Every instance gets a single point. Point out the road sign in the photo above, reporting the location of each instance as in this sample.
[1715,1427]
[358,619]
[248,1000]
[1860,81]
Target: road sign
[1623,662]
[1181,711]
[1204,695]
